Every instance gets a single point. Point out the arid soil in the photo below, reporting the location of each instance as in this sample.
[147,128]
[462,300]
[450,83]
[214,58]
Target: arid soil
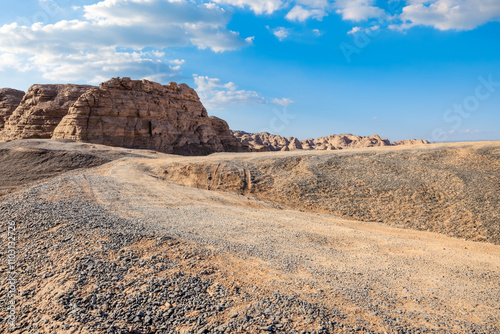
[120,248]
[452,189]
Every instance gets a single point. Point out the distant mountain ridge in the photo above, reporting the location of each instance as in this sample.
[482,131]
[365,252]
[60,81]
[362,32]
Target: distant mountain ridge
[264,141]
[142,114]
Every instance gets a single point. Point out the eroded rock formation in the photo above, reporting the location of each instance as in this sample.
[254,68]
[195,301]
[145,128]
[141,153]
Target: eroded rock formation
[146,115]
[411,142]
[9,100]
[259,142]
[40,111]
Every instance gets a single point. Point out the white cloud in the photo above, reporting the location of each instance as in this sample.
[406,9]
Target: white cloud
[110,39]
[301,14]
[281,33]
[177,61]
[354,30]
[358,10]
[367,31]
[218,95]
[317,32]
[282,102]
[314,3]
[99,65]
[258,6]
[439,14]
[450,14]
[9,60]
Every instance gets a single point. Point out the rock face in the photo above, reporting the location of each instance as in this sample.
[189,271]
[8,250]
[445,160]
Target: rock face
[260,142]
[9,100]
[40,111]
[146,115]
[226,136]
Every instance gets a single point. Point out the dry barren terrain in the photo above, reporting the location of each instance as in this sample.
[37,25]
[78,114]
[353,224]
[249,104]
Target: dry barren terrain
[290,242]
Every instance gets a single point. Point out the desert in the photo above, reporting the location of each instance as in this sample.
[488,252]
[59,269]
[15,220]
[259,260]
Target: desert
[226,237]
[144,242]
[250,167]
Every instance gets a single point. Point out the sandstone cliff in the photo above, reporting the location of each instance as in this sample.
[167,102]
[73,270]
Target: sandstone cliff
[9,100]
[40,111]
[146,115]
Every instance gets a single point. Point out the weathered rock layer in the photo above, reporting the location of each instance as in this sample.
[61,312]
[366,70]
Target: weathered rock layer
[9,100]
[40,111]
[146,115]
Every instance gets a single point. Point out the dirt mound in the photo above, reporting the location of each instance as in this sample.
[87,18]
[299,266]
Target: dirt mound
[22,166]
[447,189]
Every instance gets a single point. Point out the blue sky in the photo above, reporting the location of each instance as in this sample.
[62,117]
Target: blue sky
[402,69]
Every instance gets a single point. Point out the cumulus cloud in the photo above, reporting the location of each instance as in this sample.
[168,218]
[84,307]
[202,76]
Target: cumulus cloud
[368,31]
[258,6]
[177,61]
[215,94]
[8,60]
[281,33]
[314,3]
[301,14]
[439,14]
[317,32]
[450,14]
[282,102]
[218,95]
[358,10]
[109,38]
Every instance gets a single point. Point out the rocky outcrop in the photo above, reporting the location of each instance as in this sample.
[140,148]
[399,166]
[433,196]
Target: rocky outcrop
[411,142]
[226,136]
[146,115]
[9,100]
[40,111]
[339,142]
[261,142]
